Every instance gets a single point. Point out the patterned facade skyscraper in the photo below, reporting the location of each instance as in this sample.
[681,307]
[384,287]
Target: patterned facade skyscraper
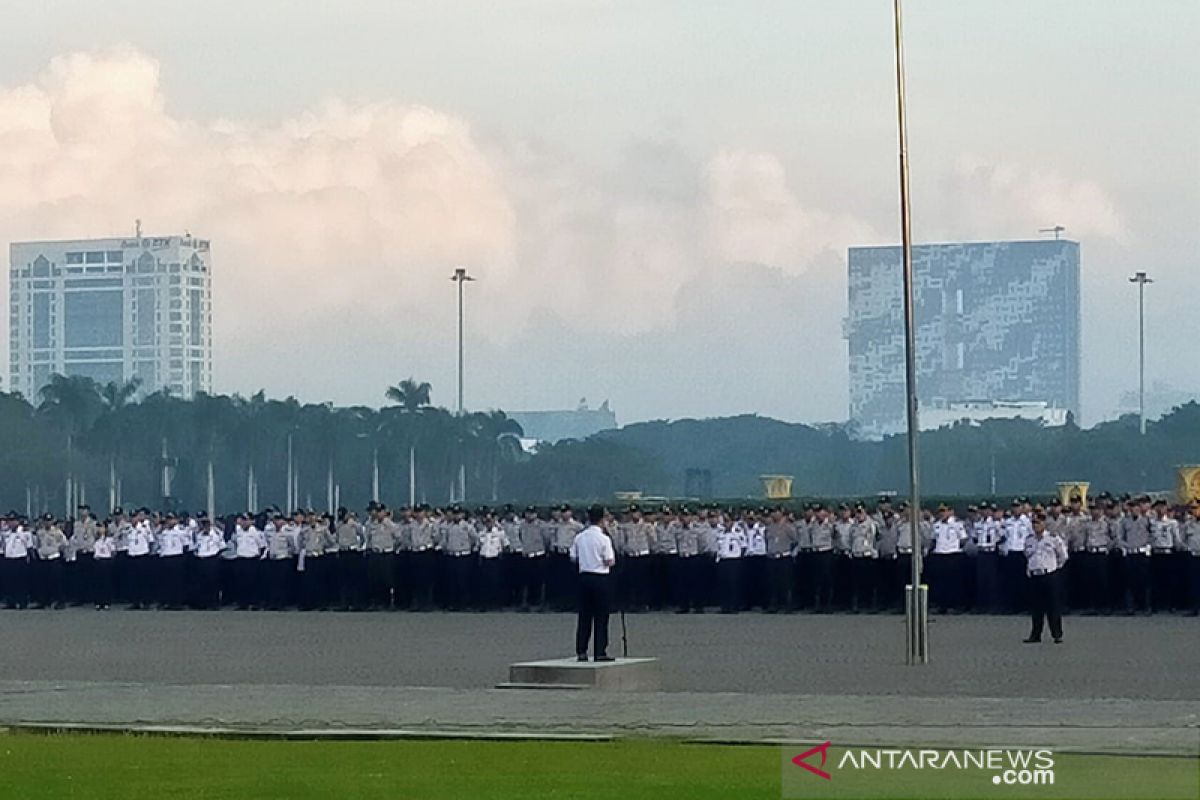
[996,321]
[112,310]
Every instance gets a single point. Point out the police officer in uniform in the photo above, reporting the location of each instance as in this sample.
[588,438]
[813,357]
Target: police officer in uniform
[491,542]
[862,553]
[987,532]
[206,562]
[1093,566]
[780,536]
[456,547]
[349,539]
[51,548]
[380,554]
[822,533]
[1191,543]
[423,540]
[82,546]
[1136,550]
[1045,556]
[731,544]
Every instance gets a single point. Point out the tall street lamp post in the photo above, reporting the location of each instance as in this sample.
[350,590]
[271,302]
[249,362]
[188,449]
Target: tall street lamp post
[1141,279]
[916,612]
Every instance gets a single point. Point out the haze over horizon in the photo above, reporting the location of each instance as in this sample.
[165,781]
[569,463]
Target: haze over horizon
[656,197]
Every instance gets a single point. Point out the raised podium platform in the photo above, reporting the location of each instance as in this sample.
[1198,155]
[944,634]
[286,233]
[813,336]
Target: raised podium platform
[623,675]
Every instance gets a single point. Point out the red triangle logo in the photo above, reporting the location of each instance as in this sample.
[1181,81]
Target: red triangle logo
[801,760]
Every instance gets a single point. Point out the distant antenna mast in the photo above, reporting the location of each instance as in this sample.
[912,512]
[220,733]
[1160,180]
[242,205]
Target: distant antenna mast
[137,229]
[1056,230]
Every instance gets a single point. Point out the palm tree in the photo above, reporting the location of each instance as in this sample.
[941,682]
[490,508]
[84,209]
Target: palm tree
[111,427]
[413,399]
[72,404]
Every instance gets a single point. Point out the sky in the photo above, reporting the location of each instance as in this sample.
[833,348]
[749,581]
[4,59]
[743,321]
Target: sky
[656,197]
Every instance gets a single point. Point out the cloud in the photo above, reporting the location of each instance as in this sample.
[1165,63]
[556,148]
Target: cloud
[342,224]
[752,215]
[990,199]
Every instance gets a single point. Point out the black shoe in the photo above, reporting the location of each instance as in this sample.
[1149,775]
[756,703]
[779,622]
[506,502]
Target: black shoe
[1031,640]
[604,658]
[581,657]
[1058,640]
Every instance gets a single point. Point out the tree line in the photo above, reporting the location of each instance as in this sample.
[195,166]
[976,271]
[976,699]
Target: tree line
[106,444]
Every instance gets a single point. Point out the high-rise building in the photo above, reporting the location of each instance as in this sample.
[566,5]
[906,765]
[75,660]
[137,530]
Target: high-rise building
[112,310]
[996,321]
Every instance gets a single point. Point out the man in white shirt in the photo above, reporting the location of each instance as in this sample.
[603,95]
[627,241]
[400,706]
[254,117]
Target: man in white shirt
[18,541]
[592,552]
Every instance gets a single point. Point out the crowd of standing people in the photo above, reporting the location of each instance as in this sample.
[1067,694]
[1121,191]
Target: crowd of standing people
[1119,555]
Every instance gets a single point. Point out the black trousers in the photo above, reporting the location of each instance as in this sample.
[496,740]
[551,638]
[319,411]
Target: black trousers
[279,573]
[755,589]
[822,579]
[862,583]
[102,574]
[171,581]
[314,582]
[987,594]
[246,579]
[491,583]
[205,583]
[16,582]
[1136,572]
[594,601]
[1163,580]
[422,572]
[729,584]
[1094,569]
[533,581]
[634,579]
[1045,602]
[946,580]
[50,582]
[779,578]
[79,578]
[351,575]
[379,579]
[1193,583]
[139,576]
[1012,577]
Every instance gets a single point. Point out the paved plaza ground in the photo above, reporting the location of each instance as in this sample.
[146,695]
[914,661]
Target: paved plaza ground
[1116,684]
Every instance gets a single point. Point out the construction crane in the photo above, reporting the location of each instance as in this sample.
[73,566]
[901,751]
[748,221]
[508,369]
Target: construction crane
[1056,230]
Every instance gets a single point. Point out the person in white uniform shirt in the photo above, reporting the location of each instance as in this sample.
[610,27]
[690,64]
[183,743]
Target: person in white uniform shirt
[592,552]
[1045,556]
[731,545]
[104,550]
[174,540]
[491,542]
[206,563]
[249,545]
[139,539]
[946,561]
[18,542]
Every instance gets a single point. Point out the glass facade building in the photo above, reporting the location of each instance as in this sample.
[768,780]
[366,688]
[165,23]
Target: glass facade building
[996,321]
[111,310]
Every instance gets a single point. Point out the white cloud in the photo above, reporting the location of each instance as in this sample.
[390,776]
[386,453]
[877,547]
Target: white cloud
[353,214]
[993,199]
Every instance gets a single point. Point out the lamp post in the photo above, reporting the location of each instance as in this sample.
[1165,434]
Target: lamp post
[1141,279]
[916,610]
[461,277]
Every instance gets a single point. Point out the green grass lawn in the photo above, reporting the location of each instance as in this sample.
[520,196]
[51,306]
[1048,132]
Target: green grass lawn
[121,767]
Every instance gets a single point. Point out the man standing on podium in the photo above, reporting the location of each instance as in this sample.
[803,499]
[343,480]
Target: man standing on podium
[592,552]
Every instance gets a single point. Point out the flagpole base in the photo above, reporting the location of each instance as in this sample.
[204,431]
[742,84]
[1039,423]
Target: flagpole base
[916,624]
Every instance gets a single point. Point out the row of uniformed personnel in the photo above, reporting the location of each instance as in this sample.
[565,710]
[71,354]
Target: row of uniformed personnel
[1130,554]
